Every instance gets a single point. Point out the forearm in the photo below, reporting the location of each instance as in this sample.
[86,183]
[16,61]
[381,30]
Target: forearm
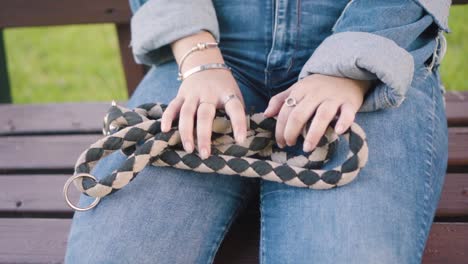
[181,46]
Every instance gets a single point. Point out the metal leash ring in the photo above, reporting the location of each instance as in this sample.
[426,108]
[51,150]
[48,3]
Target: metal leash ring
[67,199]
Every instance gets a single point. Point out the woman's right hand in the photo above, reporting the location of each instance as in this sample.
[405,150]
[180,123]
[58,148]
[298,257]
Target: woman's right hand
[200,95]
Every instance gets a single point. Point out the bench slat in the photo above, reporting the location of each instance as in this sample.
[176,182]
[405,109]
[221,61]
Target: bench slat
[447,244]
[454,199]
[42,194]
[60,152]
[456,113]
[42,152]
[33,240]
[52,118]
[44,241]
[458,147]
[35,194]
[88,117]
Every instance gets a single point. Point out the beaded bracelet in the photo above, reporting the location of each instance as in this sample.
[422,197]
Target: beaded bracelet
[199,47]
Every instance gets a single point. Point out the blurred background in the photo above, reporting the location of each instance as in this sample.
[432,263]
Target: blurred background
[70,63]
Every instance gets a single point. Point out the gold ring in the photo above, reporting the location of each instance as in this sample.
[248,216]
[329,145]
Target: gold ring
[65,192]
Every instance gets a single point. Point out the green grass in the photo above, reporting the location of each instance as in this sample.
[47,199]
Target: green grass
[66,63]
[455,64]
[82,63]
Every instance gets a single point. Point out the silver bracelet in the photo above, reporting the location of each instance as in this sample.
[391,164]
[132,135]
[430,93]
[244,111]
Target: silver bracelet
[203,67]
[199,47]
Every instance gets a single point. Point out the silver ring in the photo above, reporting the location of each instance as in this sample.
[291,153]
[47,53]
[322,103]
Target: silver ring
[65,192]
[228,97]
[290,101]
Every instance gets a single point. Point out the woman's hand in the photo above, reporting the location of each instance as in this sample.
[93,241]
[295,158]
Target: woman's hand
[320,94]
[200,95]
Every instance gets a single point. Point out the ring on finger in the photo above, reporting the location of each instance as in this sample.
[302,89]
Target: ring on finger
[228,98]
[290,101]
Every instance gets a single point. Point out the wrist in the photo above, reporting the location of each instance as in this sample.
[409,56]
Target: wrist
[207,56]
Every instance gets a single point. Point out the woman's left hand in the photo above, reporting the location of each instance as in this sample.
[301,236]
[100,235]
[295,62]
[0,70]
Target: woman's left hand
[326,96]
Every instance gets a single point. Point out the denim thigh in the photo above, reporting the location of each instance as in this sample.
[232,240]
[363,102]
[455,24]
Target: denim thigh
[385,215]
[164,215]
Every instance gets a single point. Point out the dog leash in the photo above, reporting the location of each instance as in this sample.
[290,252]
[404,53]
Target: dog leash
[137,134]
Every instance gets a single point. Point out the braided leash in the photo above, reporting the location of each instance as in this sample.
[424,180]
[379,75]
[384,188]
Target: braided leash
[137,133]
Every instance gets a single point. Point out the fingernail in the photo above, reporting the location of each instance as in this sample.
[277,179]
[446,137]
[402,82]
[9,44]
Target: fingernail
[267,111]
[188,146]
[204,153]
[280,145]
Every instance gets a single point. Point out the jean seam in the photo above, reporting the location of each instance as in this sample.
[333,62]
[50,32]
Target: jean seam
[273,43]
[429,137]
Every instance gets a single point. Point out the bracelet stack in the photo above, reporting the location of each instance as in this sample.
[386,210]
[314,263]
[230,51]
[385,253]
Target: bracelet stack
[199,47]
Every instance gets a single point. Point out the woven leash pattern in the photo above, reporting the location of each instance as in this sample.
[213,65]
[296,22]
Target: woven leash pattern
[137,133]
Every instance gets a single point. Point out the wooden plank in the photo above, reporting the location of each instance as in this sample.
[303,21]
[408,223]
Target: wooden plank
[52,118]
[456,108]
[28,194]
[87,117]
[20,13]
[44,241]
[134,73]
[38,153]
[448,243]
[5,94]
[456,96]
[454,198]
[458,147]
[33,240]
[42,194]
[457,113]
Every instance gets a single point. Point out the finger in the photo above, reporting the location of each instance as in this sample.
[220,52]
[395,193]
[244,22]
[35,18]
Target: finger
[205,114]
[187,113]
[172,110]
[280,124]
[298,118]
[346,118]
[323,116]
[275,103]
[235,110]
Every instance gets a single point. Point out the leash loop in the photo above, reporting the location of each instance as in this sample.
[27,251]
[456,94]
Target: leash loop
[67,186]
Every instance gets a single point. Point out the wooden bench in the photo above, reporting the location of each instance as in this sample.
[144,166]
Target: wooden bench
[37,155]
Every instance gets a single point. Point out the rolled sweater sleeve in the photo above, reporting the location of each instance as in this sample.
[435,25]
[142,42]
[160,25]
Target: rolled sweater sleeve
[158,23]
[383,41]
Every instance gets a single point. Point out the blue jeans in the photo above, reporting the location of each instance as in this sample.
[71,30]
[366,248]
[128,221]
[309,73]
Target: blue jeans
[168,215]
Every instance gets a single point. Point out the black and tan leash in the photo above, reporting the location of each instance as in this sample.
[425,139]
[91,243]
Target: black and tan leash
[137,133]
